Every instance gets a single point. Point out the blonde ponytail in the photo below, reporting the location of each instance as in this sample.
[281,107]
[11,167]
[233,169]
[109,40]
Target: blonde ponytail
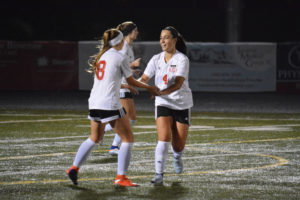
[103,47]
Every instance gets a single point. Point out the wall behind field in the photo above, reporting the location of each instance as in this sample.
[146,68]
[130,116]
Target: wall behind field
[39,65]
[214,67]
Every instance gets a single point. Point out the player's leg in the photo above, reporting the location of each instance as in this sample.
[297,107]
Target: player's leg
[179,136]
[128,104]
[97,130]
[122,127]
[164,129]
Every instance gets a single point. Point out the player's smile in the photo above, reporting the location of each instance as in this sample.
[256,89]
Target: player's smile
[166,41]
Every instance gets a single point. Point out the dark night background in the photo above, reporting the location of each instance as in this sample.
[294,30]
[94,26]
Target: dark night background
[197,20]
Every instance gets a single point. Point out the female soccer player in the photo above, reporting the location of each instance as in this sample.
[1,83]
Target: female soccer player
[173,105]
[109,65]
[130,32]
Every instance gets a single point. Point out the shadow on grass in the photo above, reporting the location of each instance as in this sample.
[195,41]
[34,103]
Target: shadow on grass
[111,159]
[79,188]
[175,191]
[101,194]
[84,193]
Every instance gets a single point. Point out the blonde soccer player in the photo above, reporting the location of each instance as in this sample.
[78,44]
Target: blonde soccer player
[173,105]
[109,66]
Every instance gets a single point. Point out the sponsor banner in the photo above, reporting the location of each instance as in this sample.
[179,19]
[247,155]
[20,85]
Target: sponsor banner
[38,65]
[288,67]
[232,67]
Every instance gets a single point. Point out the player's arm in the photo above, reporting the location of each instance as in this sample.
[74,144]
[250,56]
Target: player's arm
[176,86]
[144,79]
[132,89]
[152,89]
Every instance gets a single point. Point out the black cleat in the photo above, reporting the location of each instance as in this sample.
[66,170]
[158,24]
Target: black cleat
[72,173]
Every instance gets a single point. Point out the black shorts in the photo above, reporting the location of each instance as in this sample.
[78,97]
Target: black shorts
[182,116]
[126,95]
[104,116]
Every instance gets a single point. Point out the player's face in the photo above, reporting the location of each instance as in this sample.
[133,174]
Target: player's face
[167,42]
[134,34]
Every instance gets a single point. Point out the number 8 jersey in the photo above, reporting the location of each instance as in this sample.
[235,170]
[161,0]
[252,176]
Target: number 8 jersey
[165,74]
[105,94]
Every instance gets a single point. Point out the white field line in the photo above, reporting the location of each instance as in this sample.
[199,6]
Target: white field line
[152,116]
[41,115]
[36,120]
[192,128]
[65,137]
[233,118]
[246,128]
[245,118]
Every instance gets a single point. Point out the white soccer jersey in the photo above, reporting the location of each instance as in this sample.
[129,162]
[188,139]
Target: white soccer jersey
[105,94]
[128,51]
[165,74]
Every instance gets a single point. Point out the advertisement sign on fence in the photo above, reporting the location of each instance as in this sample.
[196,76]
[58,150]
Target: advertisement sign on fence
[38,65]
[288,67]
[232,67]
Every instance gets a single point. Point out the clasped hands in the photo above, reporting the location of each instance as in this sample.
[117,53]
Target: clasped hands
[155,91]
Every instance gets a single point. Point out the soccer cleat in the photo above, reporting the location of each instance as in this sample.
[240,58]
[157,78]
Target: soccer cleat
[122,180]
[72,173]
[158,179]
[114,150]
[178,165]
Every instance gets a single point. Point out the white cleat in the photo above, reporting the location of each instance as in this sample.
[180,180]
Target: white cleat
[178,165]
[158,179]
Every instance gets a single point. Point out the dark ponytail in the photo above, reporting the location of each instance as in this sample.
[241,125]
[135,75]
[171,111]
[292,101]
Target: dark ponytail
[180,44]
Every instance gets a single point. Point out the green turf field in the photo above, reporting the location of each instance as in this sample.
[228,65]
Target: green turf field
[228,156]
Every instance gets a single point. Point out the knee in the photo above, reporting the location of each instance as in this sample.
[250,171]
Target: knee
[164,138]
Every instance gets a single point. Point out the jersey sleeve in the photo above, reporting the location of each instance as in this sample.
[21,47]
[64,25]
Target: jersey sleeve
[125,66]
[183,68]
[150,69]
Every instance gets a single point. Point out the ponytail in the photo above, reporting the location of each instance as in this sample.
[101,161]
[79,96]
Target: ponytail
[180,45]
[103,47]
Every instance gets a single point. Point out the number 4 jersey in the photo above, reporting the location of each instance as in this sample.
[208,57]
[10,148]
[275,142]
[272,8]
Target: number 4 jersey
[105,94]
[165,74]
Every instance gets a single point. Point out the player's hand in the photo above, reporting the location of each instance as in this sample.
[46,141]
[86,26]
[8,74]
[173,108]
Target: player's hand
[154,91]
[133,90]
[136,72]
[136,63]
